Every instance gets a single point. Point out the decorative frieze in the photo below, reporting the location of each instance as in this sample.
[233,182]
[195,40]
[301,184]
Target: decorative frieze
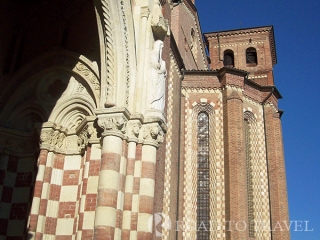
[58,139]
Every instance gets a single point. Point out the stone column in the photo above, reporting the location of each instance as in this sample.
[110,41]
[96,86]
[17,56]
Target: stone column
[235,166]
[153,135]
[277,175]
[42,161]
[114,126]
[135,191]
[145,12]
[133,133]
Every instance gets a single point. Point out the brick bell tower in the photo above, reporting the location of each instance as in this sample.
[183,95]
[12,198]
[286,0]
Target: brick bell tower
[251,49]
[234,171]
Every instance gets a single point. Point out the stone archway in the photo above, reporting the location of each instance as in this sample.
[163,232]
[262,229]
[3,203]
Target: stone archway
[55,104]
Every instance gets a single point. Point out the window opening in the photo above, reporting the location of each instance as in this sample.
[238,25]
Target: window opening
[203,185]
[251,56]
[228,59]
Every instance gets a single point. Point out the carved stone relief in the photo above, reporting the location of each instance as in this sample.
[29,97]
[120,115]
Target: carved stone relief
[58,139]
[158,74]
[109,54]
[133,131]
[158,23]
[153,134]
[113,124]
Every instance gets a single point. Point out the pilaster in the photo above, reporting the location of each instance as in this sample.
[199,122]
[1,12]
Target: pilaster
[235,165]
[276,174]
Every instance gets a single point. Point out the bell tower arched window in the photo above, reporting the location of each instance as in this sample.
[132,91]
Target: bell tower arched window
[203,183]
[251,56]
[228,58]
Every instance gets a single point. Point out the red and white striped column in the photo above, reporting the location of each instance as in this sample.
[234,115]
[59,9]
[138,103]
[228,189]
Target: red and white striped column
[153,136]
[127,223]
[106,225]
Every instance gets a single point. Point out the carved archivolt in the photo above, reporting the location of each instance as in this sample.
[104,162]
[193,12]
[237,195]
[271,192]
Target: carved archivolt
[109,46]
[125,27]
[58,61]
[90,76]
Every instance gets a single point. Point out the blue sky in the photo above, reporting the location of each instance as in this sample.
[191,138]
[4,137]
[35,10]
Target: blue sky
[297,36]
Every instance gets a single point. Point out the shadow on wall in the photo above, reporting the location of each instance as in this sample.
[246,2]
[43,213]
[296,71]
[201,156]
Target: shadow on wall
[40,64]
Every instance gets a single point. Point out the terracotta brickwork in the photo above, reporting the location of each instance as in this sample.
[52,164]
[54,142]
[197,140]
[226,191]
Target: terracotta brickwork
[99,134]
[238,41]
[276,174]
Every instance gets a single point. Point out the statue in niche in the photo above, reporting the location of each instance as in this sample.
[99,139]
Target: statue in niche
[158,74]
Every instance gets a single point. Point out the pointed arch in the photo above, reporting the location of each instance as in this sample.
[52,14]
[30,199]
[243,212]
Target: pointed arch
[39,88]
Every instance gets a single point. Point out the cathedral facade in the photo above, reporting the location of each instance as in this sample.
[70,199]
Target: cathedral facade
[115,124]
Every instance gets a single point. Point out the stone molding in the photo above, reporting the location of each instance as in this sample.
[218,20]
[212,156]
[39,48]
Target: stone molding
[109,52]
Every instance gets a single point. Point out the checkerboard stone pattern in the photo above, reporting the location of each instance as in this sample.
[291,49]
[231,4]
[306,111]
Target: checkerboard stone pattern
[258,197]
[17,176]
[167,174]
[89,192]
[190,177]
[217,184]
[217,204]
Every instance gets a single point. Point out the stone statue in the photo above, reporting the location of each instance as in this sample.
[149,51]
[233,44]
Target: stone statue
[158,74]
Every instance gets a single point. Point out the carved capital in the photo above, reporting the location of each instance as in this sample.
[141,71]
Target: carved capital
[113,124]
[153,134]
[83,138]
[145,12]
[52,137]
[134,127]
[72,141]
